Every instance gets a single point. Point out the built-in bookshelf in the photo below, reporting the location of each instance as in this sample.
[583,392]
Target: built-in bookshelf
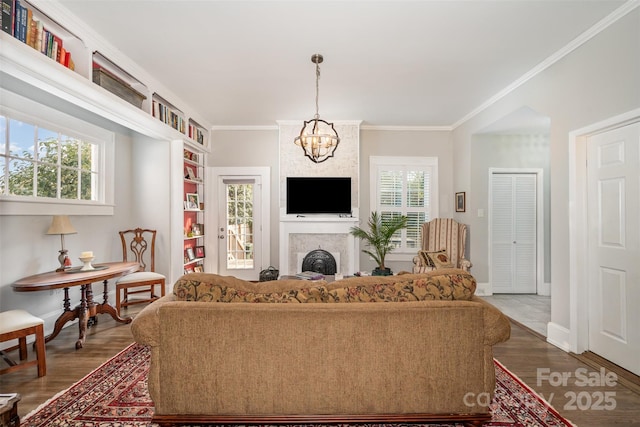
[167,113]
[25,24]
[196,132]
[194,248]
[105,73]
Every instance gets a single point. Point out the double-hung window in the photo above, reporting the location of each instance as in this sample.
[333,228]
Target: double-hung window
[51,162]
[405,186]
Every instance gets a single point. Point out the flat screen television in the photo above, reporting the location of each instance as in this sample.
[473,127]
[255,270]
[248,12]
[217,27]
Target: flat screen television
[318,195]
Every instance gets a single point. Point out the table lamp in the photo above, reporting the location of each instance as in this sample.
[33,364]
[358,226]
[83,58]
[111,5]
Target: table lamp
[61,225]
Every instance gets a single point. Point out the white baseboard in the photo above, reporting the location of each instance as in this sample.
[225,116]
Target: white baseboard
[483,289]
[559,336]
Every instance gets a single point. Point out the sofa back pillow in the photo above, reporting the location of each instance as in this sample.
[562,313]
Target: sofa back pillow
[188,289]
[443,287]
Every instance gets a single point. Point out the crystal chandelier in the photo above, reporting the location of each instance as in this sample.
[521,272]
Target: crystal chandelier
[318,138]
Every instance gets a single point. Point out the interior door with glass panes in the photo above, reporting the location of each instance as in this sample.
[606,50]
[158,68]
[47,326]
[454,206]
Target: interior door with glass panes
[239,225]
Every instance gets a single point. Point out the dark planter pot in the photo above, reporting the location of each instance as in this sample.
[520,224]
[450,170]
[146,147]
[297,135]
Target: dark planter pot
[384,272]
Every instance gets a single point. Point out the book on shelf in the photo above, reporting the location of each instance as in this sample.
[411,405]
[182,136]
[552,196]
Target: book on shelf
[7,16]
[20,22]
[310,275]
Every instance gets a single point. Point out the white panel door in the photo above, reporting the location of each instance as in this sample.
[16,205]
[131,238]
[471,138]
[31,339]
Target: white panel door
[513,233]
[613,179]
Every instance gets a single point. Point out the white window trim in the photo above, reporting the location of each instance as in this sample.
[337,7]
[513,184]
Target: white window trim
[24,109]
[375,162]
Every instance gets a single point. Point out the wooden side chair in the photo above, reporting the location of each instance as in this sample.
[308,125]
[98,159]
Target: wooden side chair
[19,324]
[140,245]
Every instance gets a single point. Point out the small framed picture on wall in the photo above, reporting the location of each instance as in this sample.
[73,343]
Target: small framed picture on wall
[461,203]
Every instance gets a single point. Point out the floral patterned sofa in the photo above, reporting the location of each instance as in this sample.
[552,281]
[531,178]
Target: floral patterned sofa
[396,349]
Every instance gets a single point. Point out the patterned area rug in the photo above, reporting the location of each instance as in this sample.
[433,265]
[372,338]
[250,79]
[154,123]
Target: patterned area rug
[115,395]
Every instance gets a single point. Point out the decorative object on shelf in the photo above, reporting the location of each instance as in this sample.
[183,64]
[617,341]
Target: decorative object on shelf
[86,257]
[380,238]
[461,202]
[199,251]
[118,87]
[190,254]
[190,173]
[318,138]
[197,229]
[62,225]
[198,269]
[193,201]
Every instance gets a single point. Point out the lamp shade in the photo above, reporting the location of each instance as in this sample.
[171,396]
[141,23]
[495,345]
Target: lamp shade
[61,225]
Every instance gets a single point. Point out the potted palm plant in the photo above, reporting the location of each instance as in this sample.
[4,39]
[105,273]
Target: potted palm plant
[379,237]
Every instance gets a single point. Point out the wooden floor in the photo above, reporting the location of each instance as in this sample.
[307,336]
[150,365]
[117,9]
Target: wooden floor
[524,354]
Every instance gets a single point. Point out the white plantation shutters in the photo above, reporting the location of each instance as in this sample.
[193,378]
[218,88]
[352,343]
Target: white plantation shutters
[405,186]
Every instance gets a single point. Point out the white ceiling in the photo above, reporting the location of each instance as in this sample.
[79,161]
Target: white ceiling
[388,63]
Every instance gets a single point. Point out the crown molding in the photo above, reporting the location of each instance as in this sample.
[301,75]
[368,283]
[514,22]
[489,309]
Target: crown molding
[408,128]
[600,26]
[243,128]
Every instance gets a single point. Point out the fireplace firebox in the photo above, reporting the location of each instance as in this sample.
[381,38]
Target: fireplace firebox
[319,261]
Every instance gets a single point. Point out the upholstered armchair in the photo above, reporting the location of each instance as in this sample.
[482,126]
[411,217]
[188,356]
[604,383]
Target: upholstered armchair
[443,245]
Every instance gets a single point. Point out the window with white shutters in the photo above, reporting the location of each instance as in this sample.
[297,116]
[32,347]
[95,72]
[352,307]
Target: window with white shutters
[405,186]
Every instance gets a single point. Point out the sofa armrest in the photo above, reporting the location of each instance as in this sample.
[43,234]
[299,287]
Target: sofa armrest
[145,327]
[497,327]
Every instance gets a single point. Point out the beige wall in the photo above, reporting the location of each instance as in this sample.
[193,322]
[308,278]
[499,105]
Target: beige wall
[504,151]
[596,81]
[243,148]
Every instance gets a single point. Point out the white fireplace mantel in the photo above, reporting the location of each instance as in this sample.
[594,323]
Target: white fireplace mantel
[311,232]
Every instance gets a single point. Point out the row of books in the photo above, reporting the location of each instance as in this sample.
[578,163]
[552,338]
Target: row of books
[166,115]
[196,134]
[19,22]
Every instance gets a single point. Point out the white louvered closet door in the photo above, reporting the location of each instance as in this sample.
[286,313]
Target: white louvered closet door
[513,233]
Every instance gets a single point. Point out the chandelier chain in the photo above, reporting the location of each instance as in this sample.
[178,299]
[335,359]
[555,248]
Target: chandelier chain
[317,116]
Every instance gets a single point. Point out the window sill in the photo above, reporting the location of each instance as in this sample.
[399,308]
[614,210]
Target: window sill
[38,207]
